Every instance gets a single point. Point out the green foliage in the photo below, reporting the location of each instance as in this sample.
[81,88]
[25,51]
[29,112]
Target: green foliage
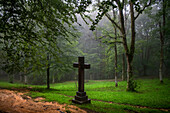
[103,8]
[147,54]
[31,28]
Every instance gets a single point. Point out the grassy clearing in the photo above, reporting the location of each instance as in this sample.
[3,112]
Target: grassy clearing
[107,98]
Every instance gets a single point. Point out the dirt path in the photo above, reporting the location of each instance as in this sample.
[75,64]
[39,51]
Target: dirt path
[16,102]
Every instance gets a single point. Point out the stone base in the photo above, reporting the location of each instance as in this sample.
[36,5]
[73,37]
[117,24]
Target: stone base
[81,98]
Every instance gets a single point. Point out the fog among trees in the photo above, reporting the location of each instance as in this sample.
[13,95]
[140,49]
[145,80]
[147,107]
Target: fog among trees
[121,40]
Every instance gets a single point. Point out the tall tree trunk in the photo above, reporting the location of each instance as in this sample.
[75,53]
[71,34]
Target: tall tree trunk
[129,54]
[162,34]
[123,67]
[161,54]
[115,47]
[25,76]
[161,64]
[116,82]
[48,73]
[53,79]
[25,79]
[11,78]
[130,82]
[20,78]
[144,70]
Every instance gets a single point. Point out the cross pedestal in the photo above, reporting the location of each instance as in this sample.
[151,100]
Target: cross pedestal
[81,96]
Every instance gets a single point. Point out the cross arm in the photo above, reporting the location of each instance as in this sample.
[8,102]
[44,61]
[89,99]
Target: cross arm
[75,65]
[87,66]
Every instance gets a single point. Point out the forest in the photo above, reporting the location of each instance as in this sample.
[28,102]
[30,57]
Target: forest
[126,43]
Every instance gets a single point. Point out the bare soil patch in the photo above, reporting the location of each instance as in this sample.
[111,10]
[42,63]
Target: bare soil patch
[17,102]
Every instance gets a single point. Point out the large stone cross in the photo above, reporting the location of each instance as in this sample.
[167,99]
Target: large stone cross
[81,97]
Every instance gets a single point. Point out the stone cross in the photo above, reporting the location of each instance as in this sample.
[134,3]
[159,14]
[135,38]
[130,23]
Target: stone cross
[81,97]
[81,66]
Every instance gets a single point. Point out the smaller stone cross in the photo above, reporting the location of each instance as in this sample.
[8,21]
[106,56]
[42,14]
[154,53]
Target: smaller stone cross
[81,97]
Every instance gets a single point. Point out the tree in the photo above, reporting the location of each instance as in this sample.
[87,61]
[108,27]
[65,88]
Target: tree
[160,15]
[123,67]
[120,5]
[110,38]
[162,38]
[48,72]
[26,26]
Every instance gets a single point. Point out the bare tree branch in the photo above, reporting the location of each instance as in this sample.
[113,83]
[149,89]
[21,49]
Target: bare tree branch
[113,22]
[143,9]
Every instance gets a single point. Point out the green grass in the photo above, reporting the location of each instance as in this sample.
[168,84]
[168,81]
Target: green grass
[150,94]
